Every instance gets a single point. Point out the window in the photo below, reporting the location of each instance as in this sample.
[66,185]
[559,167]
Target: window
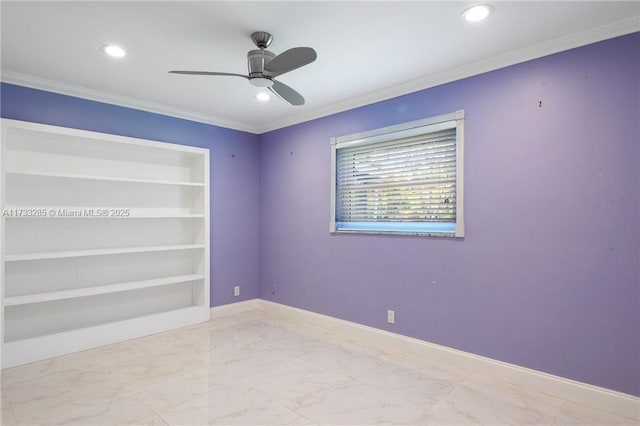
[404,179]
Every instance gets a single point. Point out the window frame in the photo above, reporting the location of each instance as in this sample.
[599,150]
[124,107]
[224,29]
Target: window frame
[400,131]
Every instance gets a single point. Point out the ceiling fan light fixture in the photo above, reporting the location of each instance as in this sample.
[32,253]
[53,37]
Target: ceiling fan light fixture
[477,13]
[265,66]
[113,50]
[261,81]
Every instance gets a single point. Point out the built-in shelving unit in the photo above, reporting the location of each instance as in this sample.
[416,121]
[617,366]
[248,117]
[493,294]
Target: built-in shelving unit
[104,238]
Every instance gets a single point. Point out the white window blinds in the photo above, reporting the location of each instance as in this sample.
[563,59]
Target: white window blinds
[399,183]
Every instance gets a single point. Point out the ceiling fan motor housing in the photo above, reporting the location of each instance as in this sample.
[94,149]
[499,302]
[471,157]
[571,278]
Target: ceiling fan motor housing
[262,39]
[257,59]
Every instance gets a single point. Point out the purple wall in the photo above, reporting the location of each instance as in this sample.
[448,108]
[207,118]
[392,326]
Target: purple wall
[548,274]
[234,172]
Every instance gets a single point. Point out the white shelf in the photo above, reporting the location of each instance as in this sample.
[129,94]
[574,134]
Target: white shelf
[155,216]
[103,178]
[96,252]
[92,291]
[133,214]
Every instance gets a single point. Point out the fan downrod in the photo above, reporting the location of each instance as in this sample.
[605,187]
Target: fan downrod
[262,39]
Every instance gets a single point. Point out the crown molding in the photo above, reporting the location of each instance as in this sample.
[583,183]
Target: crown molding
[528,53]
[124,101]
[594,35]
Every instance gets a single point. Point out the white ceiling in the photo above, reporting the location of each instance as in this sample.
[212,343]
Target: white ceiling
[367,51]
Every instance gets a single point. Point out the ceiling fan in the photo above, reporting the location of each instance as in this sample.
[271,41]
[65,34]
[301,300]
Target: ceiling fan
[264,66]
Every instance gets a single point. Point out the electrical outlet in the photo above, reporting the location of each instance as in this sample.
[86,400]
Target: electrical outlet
[391,316]
[236,291]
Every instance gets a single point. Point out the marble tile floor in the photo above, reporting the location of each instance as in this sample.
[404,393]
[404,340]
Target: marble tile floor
[253,369]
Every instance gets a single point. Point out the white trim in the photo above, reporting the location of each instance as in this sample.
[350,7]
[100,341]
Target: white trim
[571,41]
[3,202]
[332,218]
[68,89]
[233,308]
[460,174]
[607,400]
[206,167]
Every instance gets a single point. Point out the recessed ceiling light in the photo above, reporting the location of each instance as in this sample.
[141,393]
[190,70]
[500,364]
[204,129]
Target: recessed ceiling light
[263,96]
[477,13]
[113,50]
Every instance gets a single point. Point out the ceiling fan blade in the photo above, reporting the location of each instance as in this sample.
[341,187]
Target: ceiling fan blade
[290,60]
[286,93]
[207,73]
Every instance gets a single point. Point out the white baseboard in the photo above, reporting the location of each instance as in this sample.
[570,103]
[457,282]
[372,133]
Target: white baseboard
[233,308]
[618,403]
